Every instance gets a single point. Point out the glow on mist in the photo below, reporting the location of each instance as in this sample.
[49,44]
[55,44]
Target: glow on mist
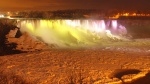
[73,33]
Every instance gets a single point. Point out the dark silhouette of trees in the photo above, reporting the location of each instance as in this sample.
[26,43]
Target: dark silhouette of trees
[5,27]
[60,14]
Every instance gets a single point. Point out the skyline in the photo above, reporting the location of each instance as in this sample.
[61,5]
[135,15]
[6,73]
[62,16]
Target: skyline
[74,4]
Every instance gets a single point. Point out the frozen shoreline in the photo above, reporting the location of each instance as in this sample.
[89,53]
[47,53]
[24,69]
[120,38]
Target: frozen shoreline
[76,66]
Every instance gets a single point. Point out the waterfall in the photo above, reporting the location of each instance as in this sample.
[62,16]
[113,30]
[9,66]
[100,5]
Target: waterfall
[73,33]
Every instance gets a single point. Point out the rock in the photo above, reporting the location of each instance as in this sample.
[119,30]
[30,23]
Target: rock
[25,42]
[12,33]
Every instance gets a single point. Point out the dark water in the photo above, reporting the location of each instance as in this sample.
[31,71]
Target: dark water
[137,28]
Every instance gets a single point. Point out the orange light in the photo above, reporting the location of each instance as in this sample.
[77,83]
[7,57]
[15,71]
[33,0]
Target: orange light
[126,14]
[134,14]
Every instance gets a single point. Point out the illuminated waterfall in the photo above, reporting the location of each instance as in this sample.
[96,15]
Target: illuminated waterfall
[73,33]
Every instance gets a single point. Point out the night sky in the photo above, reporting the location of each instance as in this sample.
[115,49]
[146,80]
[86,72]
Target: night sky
[74,4]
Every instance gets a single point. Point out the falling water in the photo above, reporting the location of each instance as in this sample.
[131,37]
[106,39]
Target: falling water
[74,33]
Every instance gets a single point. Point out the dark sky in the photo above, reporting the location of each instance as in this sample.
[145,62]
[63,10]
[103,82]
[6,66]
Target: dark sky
[74,4]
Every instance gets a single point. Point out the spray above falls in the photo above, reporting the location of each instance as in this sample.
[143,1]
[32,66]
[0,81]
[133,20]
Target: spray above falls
[74,33]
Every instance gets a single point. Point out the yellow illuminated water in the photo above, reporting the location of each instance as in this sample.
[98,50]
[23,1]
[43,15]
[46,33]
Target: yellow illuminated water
[74,33]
